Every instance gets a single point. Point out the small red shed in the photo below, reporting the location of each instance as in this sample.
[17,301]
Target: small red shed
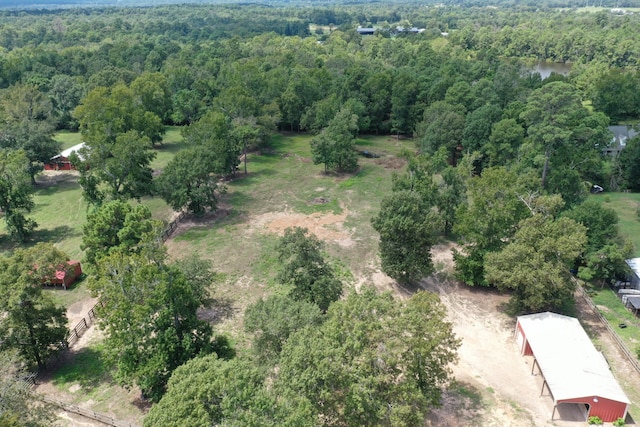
[67,276]
[576,375]
[61,162]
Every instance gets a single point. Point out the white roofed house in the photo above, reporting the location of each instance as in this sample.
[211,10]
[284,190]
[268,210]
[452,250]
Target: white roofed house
[575,374]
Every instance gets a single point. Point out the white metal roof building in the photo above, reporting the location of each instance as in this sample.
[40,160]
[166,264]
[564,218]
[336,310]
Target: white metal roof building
[573,370]
[66,153]
[634,266]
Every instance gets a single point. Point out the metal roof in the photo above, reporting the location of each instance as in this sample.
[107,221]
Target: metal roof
[571,365]
[634,301]
[634,264]
[66,153]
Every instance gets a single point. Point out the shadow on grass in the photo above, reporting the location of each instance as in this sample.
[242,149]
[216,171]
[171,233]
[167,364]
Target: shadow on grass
[55,234]
[217,310]
[47,185]
[251,177]
[171,147]
[85,367]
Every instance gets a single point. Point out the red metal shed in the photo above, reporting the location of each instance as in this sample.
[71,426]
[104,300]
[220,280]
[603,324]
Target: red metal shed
[65,276]
[61,162]
[574,372]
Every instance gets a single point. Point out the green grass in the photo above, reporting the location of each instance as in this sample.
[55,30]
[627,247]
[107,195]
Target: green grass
[625,205]
[88,370]
[68,139]
[616,313]
[172,142]
[286,180]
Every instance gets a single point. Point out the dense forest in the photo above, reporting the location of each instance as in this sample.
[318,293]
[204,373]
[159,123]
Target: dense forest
[503,163]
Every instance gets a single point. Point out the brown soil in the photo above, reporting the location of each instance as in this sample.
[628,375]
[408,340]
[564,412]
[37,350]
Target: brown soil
[326,226]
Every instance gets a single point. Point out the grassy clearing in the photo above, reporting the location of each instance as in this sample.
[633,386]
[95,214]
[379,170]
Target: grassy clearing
[68,139]
[626,205]
[283,181]
[286,180]
[172,142]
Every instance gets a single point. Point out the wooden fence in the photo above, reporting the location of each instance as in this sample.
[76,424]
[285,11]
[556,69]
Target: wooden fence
[172,226]
[621,345]
[106,419]
[83,325]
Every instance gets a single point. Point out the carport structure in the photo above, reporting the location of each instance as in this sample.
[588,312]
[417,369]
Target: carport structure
[573,371]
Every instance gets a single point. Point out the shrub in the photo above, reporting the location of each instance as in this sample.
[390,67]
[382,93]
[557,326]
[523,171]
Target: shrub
[595,420]
[619,422]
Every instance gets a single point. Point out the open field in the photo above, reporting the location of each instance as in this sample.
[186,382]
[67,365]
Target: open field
[626,205]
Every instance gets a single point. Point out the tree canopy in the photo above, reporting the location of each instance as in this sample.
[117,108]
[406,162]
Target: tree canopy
[33,325]
[536,263]
[305,268]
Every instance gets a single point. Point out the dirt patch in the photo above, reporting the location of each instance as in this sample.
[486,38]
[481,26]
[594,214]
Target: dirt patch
[391,162]
[326,226]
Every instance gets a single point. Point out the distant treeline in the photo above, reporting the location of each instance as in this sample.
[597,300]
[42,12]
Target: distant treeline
[532,4]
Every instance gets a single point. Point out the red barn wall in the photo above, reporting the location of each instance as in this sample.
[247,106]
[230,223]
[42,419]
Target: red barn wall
[61,164]
[608,410]
[525,348]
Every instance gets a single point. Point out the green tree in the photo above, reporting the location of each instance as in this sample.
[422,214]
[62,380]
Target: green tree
[104,113]
[451,195]
[570,138]
[442,125]
[213,132]
[274,319]
[116,226]
[505,139]
[33,325]
[487,221]
[152,93]
[535,264]
[404,91]
[189,181]
[121,171]
[407,225]
[150,319]
[18,405]
[615,94]
[629,163]
[16,193]
[600,221]
[335,145]
[374,361]
[304,267]
[65,94]
[210,391]
[27,124]
[478,127]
